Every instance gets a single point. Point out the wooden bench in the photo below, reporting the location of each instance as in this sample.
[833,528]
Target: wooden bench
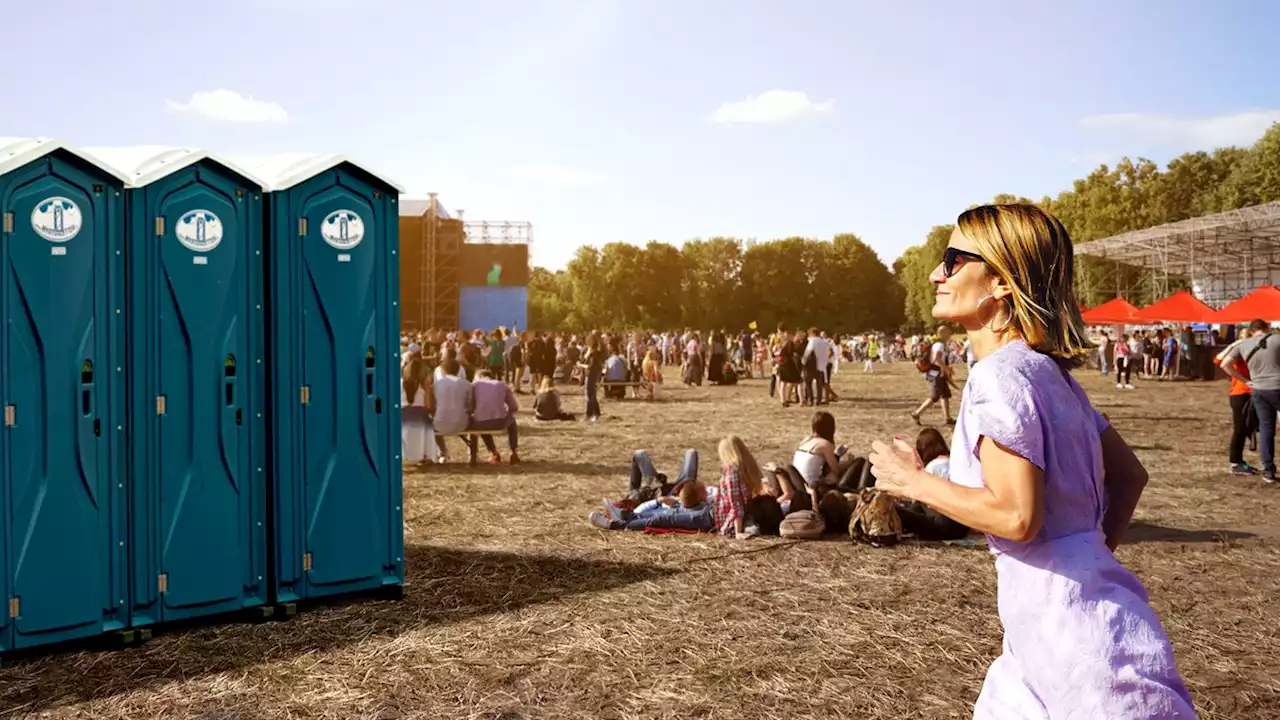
[473,443]
[635,385]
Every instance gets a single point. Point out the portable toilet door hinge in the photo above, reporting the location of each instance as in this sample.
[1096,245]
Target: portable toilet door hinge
[8,222]
[302,227]
[10,415]
[306,394]
[160,227]
[15,607]
[306,562]
[162,582]
[160,405]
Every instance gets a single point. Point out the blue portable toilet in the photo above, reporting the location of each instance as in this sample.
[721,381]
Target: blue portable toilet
[334,363]
[197,388]
[62,494]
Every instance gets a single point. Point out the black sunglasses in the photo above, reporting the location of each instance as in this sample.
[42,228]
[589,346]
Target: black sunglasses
[952,257]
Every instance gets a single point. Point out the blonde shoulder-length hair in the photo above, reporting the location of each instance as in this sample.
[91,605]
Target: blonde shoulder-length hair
[734,451]
[1029,250]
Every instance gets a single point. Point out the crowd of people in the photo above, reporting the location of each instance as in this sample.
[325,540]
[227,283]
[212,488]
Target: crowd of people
[1037,469]
[816,492]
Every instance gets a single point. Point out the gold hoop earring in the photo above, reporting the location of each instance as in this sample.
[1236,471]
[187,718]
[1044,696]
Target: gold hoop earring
[1007,322]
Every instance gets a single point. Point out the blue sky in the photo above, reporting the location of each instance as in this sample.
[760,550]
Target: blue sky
[608,120]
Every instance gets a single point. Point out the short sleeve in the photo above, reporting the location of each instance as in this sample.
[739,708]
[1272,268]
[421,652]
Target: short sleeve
[1005,408]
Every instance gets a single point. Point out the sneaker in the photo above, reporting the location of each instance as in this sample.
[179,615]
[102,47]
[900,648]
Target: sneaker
[1128,387]
[1119,386]
[613,512]
[1243,469]
[1269,478]
[598,519]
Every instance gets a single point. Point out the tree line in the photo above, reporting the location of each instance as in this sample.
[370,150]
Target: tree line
[728,283]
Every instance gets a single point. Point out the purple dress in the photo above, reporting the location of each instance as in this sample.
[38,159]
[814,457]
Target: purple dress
[1080,640]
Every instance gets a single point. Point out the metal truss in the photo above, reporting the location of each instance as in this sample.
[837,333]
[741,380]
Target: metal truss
[1224,255]
[502,232]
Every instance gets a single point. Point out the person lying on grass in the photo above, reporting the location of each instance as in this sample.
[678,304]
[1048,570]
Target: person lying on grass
[723,509]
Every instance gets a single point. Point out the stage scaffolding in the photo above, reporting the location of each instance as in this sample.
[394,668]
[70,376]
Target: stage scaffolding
[1224,256]
[502,232]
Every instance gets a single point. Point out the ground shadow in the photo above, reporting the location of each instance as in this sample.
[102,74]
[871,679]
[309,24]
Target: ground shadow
[442,586]
[529,465]
[876,403]
[1198,419]
[1141,532]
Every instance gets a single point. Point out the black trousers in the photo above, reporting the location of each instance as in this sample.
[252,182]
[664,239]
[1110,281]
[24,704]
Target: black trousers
[1239,428]
[1124,368]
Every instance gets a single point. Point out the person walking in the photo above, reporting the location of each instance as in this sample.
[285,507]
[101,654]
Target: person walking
[1048,480]
[1261,354]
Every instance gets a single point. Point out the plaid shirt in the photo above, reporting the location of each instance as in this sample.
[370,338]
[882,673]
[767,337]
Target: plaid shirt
[731,500]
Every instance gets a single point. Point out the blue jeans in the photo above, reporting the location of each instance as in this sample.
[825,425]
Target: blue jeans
[593,401]
[1104,360]
[1266,403]
[507,423]
[698,518]
[642,467]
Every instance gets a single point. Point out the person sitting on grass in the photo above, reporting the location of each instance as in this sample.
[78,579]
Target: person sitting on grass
[494,408]
[822,465]
[740,483]
[546,405]
[919,519]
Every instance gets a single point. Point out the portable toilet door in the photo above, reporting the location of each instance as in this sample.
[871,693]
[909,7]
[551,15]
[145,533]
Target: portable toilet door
[62,498]
[334,331]
[196,384]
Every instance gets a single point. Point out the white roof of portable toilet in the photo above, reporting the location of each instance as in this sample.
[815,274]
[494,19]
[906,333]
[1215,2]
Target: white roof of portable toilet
[142,165]
[285,170]
[17,152]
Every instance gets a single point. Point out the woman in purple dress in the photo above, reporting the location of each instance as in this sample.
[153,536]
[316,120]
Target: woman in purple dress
[1037,469]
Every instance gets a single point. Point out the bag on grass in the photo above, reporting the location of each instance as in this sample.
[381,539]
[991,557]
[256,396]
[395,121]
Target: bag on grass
[802,525]
[875,520]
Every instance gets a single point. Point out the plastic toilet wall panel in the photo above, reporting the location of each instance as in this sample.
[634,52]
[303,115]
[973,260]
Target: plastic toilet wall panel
[61,529]
[337,484]
[198,438]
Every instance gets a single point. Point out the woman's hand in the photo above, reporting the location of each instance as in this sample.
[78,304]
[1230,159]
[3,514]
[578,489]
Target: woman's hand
[896,467]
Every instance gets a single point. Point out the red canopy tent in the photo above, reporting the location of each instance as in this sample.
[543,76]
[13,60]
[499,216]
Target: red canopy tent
[1263,303]
[1112,312]
[1180,307]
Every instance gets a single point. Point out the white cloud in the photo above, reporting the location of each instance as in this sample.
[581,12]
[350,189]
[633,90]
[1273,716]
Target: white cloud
[556,175]
[1205,133]
[230,106]
[772,107]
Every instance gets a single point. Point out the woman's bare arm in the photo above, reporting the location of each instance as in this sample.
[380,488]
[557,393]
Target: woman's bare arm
[1124,480]
[1011,506]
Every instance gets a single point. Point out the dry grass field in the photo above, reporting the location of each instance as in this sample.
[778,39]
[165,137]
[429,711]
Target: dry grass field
[517,608]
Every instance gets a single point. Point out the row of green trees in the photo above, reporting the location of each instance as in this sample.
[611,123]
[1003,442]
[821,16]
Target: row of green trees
[721,282]
[726,282]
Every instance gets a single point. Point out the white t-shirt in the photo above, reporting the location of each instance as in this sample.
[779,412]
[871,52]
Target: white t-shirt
[940,466]
[938,354]
[821,350]
[451,413]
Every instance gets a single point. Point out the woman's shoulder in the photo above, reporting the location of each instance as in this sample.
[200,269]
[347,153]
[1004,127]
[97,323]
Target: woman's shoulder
[1014,367]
